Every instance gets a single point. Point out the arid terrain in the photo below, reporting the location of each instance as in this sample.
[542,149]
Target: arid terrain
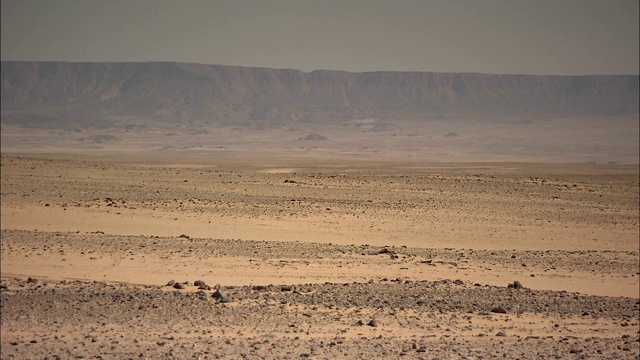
[228,257]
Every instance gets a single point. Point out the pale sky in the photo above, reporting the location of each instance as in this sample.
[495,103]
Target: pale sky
[564,37]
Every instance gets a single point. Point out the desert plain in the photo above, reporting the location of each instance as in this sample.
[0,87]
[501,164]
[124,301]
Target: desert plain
[116,257]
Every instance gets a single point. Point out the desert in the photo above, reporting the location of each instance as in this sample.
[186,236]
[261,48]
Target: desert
[248,257]
[179,210]
[432,180]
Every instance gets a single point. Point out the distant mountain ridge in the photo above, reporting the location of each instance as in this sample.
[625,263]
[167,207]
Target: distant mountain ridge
[35,93]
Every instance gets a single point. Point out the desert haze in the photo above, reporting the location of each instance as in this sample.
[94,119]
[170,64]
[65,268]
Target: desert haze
[208,110]
[167,210]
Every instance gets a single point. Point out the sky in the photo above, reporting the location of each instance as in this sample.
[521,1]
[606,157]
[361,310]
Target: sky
[558,37]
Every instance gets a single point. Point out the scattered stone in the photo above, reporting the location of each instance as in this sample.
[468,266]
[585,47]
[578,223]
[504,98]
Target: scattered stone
[225,299]
[184,236]
[501,334]
[202,295]
[171,283]
[516,285]
[178,286]
[199,283]
[499,310]
[221,296]
[373,322]
[458,282]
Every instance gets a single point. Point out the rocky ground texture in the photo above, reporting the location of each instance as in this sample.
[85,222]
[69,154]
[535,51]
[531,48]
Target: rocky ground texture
[381,318]
[244,259]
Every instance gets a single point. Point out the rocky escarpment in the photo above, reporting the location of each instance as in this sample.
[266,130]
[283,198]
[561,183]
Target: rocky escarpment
[39,93]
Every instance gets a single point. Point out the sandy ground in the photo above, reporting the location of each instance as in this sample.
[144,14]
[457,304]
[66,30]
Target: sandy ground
[308,252]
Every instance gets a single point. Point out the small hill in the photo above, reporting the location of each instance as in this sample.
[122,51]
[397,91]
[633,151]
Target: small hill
[99,139]
[314,137]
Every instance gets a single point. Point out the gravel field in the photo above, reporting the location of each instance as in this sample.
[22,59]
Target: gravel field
[243,259]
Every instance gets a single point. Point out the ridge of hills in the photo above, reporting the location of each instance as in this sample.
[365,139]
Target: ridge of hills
[62,94]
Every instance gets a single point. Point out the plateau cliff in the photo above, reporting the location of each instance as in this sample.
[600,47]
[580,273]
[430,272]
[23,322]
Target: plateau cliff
[53,94]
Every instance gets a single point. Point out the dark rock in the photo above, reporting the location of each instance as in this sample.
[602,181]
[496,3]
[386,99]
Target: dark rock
[199,283]
[221,296]
[516,285]
[373,323]
[171,283]
[458,282]
[499,310]
[178,286]
[184,236]
[501,334]
[225,299]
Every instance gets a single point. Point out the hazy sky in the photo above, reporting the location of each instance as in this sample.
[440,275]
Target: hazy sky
[491,36]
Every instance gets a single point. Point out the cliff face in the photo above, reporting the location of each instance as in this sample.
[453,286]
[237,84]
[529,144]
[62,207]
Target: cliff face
[191,92]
